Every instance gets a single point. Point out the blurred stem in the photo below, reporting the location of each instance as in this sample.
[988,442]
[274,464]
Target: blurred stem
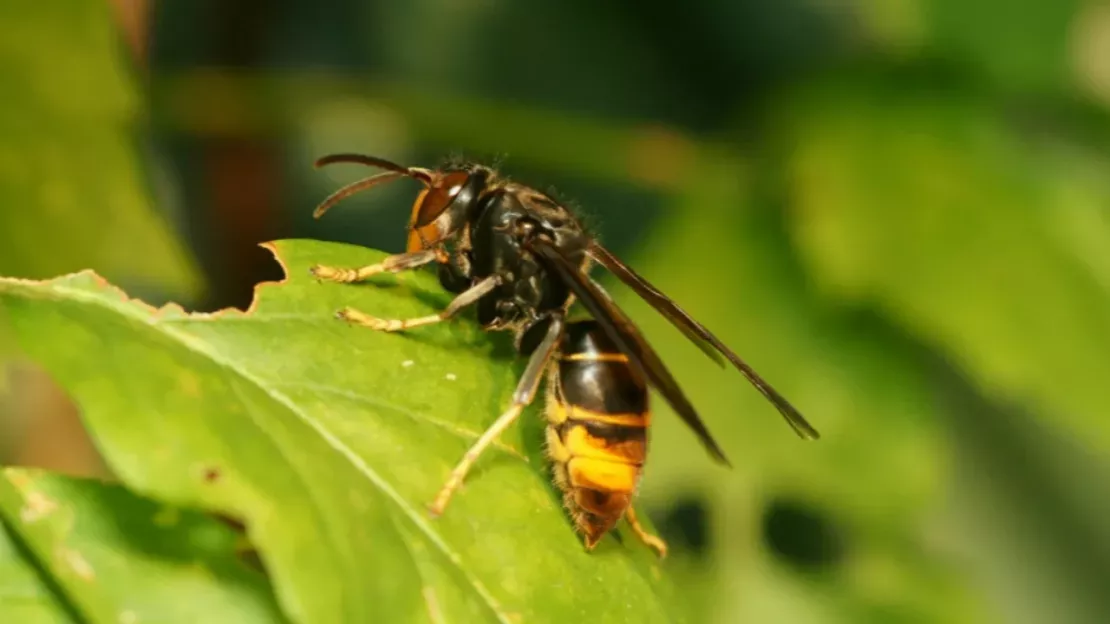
[225,103]
[238,176]
[133,18]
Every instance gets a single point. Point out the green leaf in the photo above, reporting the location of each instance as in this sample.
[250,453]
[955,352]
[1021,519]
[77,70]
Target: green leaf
[72,193]
[23,595]
[989,247]
[1017,47]
[1023,45]
[328,441]
[113,557]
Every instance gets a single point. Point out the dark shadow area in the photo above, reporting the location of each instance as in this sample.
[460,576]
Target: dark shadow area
[684,525]
[802,536]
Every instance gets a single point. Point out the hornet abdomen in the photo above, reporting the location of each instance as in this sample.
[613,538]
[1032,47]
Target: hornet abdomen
[598,417]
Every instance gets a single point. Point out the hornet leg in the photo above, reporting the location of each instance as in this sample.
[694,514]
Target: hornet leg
[652,541]
[525,393]
[466,298]
[392,264]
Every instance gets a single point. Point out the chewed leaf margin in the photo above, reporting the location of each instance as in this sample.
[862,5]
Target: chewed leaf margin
[468,558]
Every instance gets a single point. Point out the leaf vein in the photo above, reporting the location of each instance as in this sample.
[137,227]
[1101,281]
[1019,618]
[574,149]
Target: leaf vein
[343,553]
[462,432]
[125,307]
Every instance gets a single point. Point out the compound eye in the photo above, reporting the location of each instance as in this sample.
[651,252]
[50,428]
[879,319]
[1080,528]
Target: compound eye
[434,201]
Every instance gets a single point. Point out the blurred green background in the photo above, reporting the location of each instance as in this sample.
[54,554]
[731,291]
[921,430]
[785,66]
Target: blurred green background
[899,212]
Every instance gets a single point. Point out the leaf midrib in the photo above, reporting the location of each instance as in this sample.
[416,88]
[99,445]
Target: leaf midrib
[419,417]
[127,307]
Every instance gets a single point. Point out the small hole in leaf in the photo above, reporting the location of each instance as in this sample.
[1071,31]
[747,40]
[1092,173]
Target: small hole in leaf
[685,526]
[801,535]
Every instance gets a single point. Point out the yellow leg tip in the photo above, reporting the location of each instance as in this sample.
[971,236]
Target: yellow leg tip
[651,541]
[444,497]
[439,504]
[656,544]
[344,276]
[358,318]
[331,274]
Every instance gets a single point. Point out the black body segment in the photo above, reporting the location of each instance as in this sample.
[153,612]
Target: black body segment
[503,224]
[595,374]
